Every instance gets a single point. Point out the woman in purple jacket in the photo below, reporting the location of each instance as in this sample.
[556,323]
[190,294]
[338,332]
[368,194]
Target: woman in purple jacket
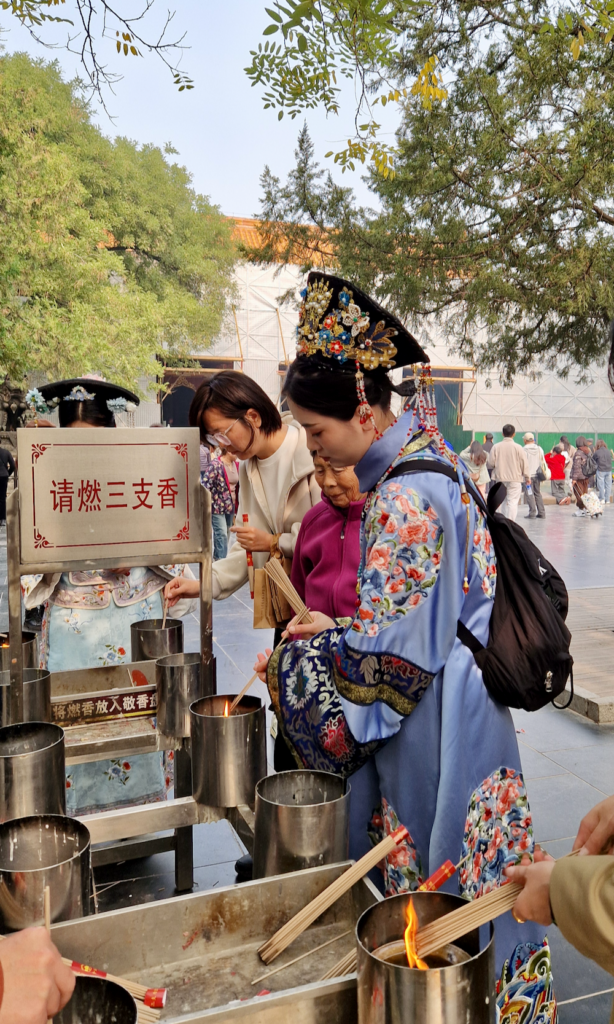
[327,553]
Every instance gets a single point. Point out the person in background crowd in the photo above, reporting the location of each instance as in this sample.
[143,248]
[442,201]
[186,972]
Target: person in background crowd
[487,445]
[276,478]
[509,464]
[603,457]
[215,478]
[535,459]
[576,894]
[556,463]
[327,553]
[568,451]
[579,478]
[34,983]
[475,459]
[7,468]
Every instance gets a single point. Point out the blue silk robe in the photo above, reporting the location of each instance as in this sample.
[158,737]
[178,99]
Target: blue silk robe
[393,699]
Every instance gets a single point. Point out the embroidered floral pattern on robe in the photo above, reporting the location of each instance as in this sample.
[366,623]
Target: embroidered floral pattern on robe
[525,990]
[401,869]
[484,555]
[498,830]
[404,540]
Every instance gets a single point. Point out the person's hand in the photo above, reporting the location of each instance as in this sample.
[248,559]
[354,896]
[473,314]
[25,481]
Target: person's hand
[261,664]
[302,630]
[36,982]
[596,832]
[252,539]
[533,904]
[180,587]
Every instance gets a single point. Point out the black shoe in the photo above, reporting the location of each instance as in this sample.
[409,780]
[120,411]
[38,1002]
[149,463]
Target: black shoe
[244,868]
[540,517]
[532,517]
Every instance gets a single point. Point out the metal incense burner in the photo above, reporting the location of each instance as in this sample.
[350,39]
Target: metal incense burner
[302,821]
[98,1001]
[32,770]
[179,683]
[39,851]
[36,696]
[29,650]
[228,751]
[458,987]
[150,641]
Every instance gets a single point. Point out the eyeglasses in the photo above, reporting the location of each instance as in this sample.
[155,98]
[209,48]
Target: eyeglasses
[222,439]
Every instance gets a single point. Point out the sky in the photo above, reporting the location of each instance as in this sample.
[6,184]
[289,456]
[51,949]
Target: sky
[223,134]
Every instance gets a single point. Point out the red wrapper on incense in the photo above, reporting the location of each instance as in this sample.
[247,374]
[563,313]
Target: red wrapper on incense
[437,879]
[155,997]
[250,561]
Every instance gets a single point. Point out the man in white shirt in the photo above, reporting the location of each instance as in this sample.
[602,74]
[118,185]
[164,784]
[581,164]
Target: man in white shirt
[509,464]
[535,458]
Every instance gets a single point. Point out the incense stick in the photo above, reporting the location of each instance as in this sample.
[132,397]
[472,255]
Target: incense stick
[271,949]
[241,695]
[164,612]
[315,949]
[47,915]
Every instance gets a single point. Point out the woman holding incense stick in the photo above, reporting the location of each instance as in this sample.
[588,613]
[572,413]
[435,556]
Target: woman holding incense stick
[276,477]
[391,697]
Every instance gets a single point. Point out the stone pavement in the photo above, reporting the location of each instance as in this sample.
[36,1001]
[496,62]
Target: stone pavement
[568,760]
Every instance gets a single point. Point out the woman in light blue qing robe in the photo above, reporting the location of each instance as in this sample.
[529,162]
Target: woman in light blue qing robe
[87,621]
[391,698]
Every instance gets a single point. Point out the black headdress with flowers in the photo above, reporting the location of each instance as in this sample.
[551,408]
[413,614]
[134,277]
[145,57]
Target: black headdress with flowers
[338,321]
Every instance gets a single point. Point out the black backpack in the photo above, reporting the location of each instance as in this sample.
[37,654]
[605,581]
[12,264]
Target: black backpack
[527,662]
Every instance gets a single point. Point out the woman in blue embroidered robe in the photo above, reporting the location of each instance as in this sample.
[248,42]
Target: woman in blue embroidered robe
[392,698]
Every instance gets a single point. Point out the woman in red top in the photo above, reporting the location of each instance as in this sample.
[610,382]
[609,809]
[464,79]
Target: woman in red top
[556,463]
[327,553]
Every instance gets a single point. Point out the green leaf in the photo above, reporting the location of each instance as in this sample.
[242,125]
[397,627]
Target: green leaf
[302,43]
[280,115]
[270,30]
[274,15]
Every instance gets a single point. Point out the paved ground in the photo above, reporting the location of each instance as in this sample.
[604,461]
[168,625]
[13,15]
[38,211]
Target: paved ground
[568,760]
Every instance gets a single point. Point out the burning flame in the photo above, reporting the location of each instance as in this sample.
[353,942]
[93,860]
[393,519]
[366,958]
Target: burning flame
[226,709]
[410,939]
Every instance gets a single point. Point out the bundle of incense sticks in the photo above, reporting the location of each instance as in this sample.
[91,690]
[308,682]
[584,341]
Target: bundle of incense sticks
[275,571]
[297,925]
[152,999]
[347,965]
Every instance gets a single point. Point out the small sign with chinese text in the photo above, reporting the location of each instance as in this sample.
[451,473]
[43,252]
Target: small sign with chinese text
[102,493]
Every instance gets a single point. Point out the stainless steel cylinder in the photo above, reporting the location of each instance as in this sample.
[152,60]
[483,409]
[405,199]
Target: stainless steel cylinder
[32,770]
[29,645]
[179,681]
[98,1001]
[228,753]
[39,851]
[36,696]
[393,993]
[149,641]
[302,821]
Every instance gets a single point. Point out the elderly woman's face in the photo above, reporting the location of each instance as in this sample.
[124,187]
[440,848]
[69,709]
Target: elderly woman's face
[339,485]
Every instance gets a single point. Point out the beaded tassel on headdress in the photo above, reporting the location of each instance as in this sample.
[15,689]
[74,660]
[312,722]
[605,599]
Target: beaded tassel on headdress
[364,409]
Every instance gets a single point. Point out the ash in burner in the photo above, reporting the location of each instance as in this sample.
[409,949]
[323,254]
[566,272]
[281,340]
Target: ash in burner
[394,953]
[98,1001]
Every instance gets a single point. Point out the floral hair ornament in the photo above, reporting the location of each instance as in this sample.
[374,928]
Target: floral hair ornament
[79,394]
[36,401]
[120,405]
